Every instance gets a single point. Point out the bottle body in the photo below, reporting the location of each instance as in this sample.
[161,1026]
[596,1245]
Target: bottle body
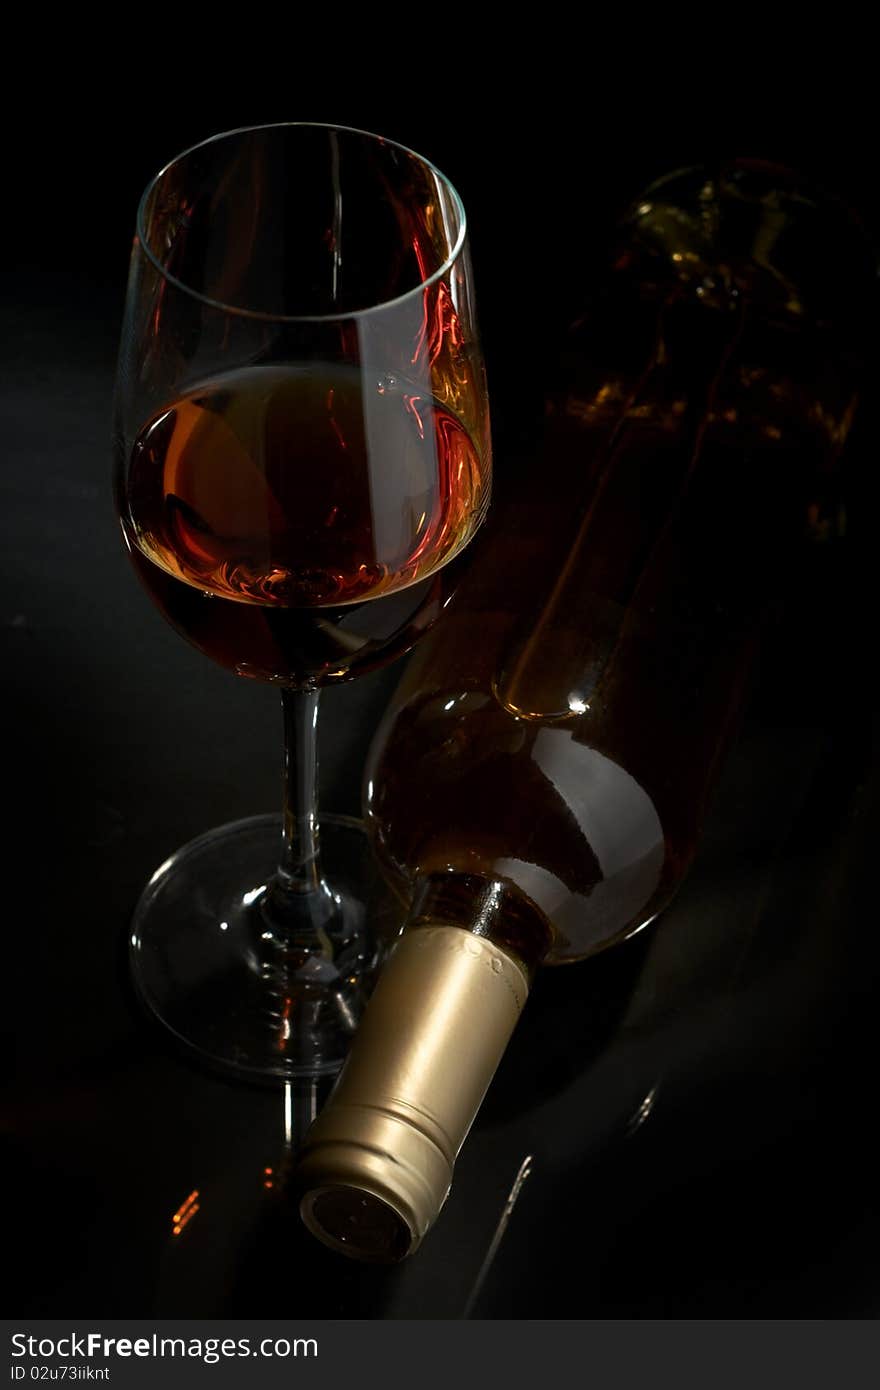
[561,731]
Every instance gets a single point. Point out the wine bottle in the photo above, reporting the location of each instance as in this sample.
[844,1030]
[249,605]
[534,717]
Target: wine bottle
[536,789]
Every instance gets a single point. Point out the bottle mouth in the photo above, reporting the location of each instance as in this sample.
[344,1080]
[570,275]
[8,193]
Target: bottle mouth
[357,1223]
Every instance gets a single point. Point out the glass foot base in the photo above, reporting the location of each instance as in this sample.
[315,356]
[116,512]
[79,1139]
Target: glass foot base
[206,966]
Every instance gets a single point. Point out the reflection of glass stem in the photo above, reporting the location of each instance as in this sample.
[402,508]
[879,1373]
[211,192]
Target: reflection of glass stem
[300,1108]
[303,1098]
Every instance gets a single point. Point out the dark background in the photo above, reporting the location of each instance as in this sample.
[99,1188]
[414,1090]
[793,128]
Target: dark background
[698,1105]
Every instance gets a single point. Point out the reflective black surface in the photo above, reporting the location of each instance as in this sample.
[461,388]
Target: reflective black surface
[697,1105]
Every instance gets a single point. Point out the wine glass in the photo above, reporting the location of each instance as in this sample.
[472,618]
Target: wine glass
[302,448]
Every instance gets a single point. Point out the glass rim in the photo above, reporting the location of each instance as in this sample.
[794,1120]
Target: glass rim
[262,315]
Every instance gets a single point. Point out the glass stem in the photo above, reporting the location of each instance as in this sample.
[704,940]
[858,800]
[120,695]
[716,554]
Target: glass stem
[299,871]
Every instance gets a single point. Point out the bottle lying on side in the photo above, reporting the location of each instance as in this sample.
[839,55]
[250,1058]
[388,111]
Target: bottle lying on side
[536,789]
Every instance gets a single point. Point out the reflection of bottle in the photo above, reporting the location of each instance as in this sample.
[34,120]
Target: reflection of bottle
[536,789]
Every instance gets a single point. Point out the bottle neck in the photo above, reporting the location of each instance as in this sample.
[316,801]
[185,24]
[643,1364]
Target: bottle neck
[377,1164]
[485,907]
